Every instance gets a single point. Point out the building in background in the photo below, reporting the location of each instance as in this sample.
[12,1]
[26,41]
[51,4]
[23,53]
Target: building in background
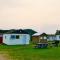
[39,38]
[46,37]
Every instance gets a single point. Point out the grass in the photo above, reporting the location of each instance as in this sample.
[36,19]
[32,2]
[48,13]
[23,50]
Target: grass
[27,52]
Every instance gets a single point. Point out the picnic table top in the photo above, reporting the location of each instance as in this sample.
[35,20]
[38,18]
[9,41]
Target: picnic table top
[42,43]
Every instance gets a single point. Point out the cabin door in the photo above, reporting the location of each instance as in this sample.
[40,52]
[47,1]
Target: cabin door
[1,40]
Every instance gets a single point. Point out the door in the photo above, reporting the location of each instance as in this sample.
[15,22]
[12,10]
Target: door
[1,40]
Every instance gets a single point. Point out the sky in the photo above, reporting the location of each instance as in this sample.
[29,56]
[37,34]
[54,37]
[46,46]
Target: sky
[39,15]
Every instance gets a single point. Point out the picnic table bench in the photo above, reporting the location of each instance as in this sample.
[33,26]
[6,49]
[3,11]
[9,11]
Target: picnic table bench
[41,45]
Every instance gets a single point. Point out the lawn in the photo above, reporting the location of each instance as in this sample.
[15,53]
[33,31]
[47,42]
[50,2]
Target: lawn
[27,52]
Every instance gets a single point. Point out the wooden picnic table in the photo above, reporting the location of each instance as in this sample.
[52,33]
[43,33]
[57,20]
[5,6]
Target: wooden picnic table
[41,45]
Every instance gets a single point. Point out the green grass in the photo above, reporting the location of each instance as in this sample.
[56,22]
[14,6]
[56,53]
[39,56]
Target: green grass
[27,52]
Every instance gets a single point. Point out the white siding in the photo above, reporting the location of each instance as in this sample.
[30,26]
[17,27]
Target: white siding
[57,37]
[51,38]
[24,39]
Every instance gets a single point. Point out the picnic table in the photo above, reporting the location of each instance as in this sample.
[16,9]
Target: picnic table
[41,45]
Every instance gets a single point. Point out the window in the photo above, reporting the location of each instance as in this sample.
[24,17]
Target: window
[17,36]
[41,38]
[12,36]
[45,38]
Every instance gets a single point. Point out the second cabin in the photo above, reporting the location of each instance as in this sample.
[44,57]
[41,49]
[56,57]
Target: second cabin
[46,37]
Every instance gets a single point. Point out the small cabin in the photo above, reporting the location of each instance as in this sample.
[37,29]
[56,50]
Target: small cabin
[41,38]
[16,37]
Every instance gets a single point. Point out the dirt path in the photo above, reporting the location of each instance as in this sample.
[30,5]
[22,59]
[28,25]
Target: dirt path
[3,57]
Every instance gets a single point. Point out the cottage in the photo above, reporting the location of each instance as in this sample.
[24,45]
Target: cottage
[14,37]
[46,37]
[41,38]
[51,37]
[55,36]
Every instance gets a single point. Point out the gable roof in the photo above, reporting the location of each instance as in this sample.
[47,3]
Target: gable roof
[19,31]
[43,34]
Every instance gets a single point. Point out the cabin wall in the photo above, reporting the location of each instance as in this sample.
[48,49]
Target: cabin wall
[57,37]
[51,38]
[35,39]
[43,37]
[23,39]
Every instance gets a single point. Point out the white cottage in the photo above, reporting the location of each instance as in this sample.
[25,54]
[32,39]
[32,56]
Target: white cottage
[16,37]
[52,37]
[36,38]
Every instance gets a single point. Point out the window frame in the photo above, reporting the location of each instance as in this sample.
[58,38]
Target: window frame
[13,37]
[17,37]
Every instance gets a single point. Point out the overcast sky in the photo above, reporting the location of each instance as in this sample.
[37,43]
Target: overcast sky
[40,15]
